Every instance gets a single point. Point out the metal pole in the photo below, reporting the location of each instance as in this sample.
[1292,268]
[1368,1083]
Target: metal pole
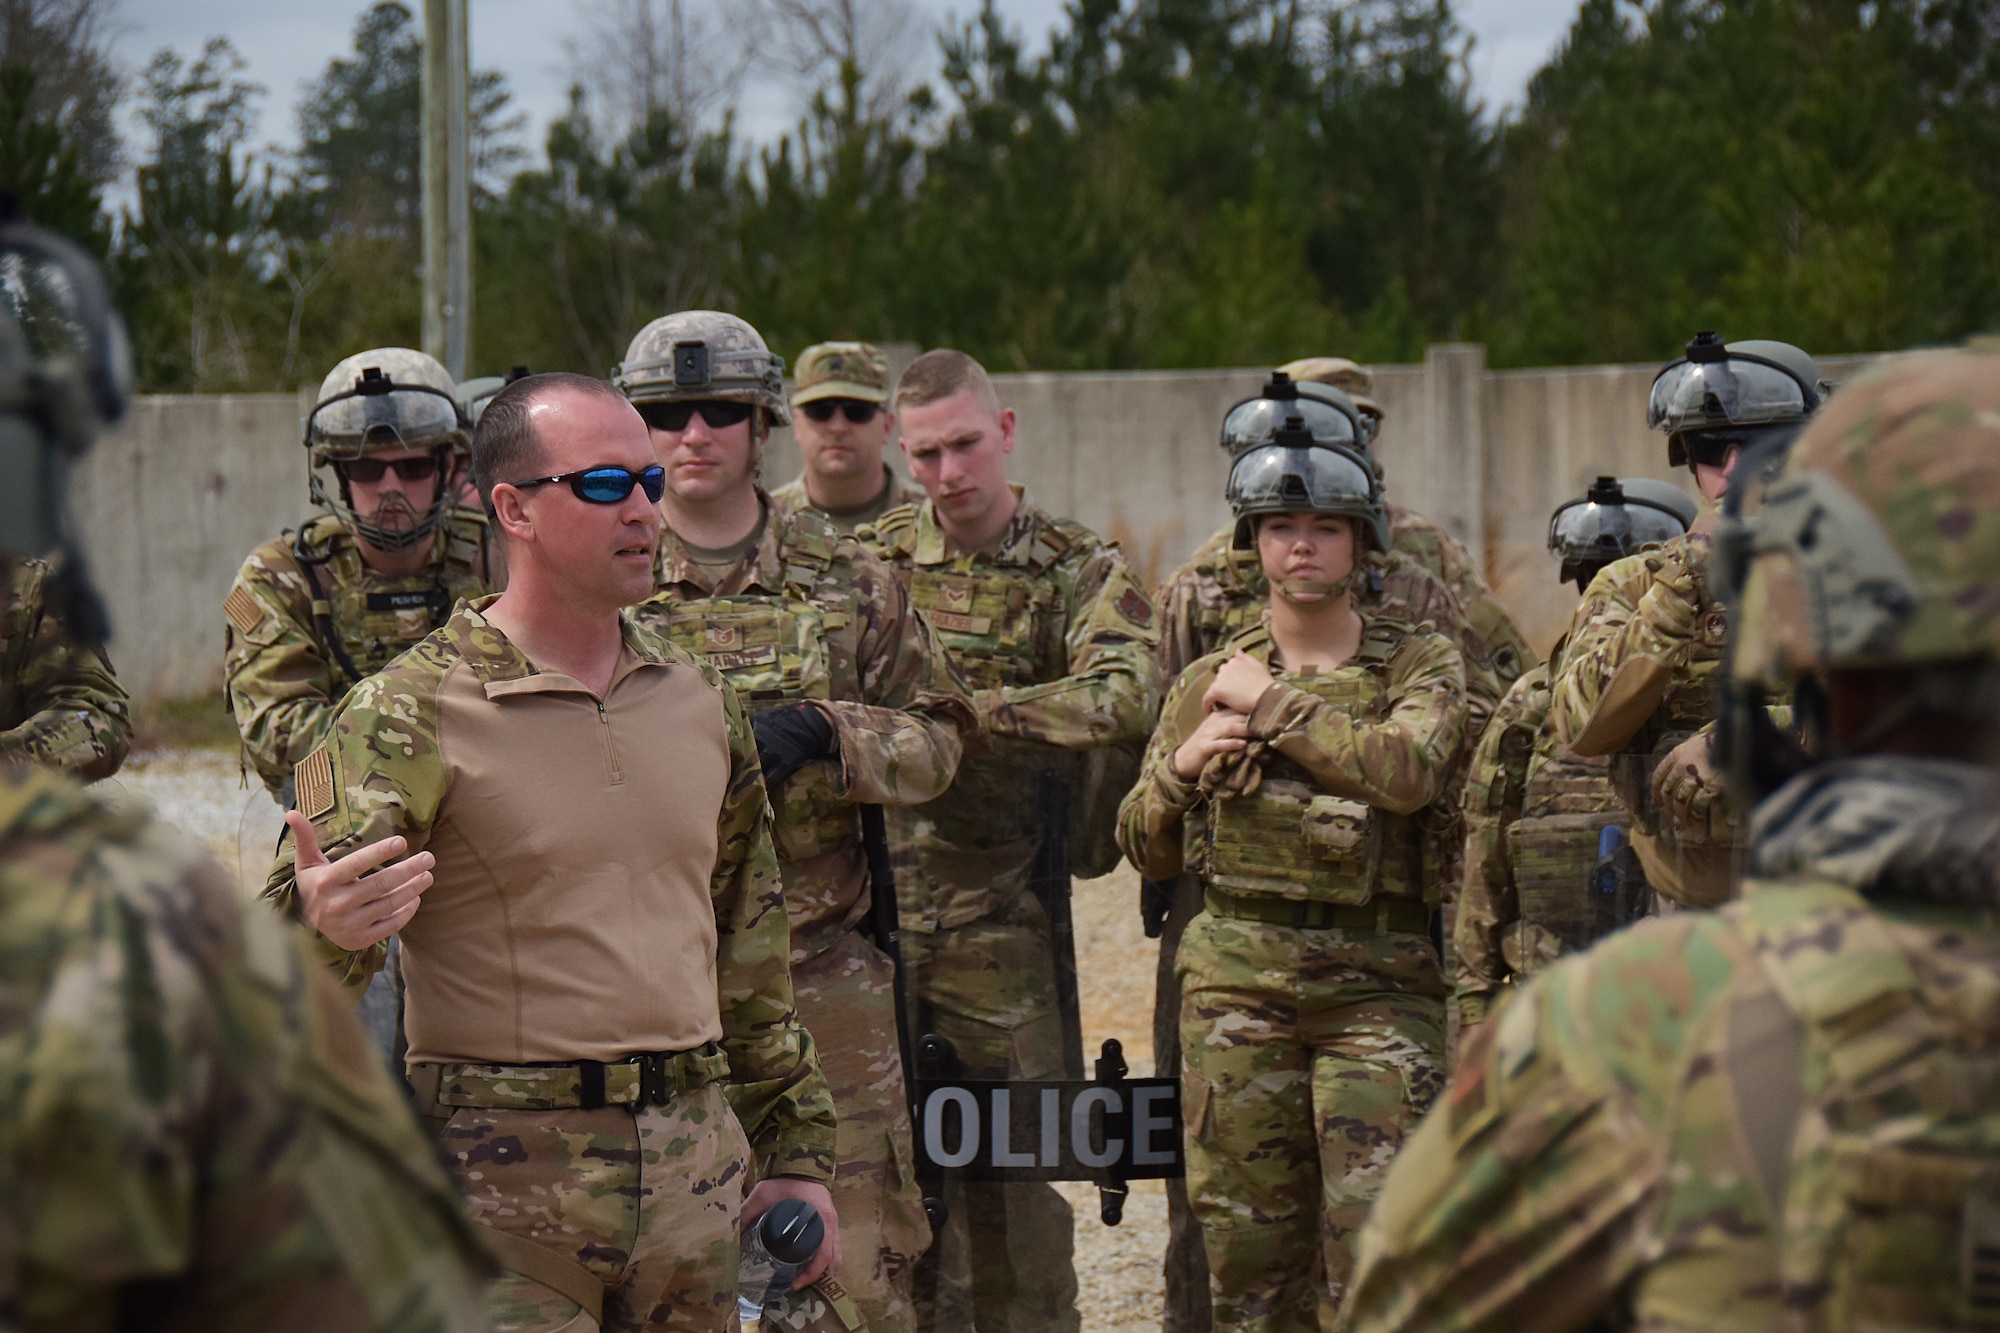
[447,172]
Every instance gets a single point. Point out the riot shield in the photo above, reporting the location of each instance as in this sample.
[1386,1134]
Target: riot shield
[1002,1104]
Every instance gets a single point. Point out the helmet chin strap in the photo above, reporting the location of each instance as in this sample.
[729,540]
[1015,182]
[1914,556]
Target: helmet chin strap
[1313,590]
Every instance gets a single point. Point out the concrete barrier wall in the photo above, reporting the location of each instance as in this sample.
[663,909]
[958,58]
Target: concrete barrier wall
[172,503]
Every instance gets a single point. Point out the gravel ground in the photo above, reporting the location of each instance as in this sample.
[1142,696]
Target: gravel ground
[1118,1267]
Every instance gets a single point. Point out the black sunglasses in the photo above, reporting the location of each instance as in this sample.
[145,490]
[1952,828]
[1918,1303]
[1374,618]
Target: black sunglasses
[822,409]
[606,485]
[675,416]
[367,471]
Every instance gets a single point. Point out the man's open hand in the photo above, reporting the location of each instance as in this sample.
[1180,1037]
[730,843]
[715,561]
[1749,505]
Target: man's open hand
[347,904]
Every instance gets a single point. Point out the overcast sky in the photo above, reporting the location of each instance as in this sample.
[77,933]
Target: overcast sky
[288,43]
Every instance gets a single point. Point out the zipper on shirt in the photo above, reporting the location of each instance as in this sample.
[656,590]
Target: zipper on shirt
[610,750]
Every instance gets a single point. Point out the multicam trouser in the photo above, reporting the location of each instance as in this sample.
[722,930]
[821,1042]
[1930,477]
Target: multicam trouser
[846,997]
[646,1200]
[1307,1054]
[1005,1260]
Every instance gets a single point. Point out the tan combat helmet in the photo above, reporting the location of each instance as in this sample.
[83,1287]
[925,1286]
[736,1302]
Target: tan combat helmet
[703,356]
[841,370]
[387,398]
[1337,372]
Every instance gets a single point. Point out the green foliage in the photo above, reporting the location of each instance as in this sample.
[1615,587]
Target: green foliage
[1171,183]
[41,169]
[1822,171]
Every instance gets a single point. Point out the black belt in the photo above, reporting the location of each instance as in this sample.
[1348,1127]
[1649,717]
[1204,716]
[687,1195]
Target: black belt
[1384,916]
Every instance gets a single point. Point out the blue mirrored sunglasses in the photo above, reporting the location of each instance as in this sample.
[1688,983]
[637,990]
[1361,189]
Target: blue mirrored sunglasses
[606,485]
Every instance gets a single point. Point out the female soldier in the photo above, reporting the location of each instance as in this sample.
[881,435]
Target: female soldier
[1291,771]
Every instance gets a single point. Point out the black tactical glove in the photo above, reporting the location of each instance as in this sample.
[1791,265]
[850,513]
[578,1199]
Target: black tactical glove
[788,739]
[1156,899]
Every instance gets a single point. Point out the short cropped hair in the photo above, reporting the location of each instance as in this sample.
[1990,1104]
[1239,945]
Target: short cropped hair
[505,446]
[938,375]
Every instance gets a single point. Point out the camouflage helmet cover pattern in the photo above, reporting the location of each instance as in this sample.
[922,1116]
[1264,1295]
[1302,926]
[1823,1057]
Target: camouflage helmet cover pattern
[386,398]
[841,370]
[703,356]
[1879,541]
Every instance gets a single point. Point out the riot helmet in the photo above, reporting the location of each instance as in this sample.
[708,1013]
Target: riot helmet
[1327,414]
[1616,518]
[65,376]
[703,356]
[1722,395]
[379,400]
[1297,474]
[475,394]
[1337,372]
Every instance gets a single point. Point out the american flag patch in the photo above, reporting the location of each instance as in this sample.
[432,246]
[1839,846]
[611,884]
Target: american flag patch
[312,783]
[242,610]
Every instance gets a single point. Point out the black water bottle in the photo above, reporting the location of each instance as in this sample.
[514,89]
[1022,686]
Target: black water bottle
[783,1242]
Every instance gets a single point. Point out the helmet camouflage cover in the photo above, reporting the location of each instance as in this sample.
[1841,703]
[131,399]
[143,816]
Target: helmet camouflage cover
[1748,390]
[703,356]
[841,370]
[388,398]
[1879,540]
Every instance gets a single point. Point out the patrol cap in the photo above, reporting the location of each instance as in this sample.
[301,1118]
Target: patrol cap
[386,398]
[1878,543]
[1748,387]
[1617,518]
[1297,474]
[841,370]
[1326,413]
[1337,372]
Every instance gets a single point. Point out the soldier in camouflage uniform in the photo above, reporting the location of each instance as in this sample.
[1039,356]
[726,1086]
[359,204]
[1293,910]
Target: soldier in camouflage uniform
[853,702]
[1533,812]
[314,612]
[60,702]
[1781,1114]
[1288,773]
[841,418]
[1218,594]
[1047,625]
[1493,636]
[1638,677]
[193,1132]
[576,807]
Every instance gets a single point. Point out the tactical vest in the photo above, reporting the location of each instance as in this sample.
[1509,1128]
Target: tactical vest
[1891,1180]
[1239,577]
[1552,851]
[780,649]
[365,620]
[1289,839]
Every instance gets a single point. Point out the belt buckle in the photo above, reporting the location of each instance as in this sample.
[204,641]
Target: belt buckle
[654,1090]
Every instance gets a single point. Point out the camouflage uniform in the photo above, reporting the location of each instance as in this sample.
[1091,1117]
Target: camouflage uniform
[645,1200]
[1217,594]
[308,621]
[1489,630]
[193,1131]
[1638,678]
[60,703]
[1057,642]
[1312,1014]
[897,491]
[1781,1114]
[810,615]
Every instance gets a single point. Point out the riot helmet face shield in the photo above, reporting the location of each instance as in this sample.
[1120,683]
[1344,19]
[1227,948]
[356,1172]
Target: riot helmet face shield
[1298,475]
[1327,415]
[1609,523]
